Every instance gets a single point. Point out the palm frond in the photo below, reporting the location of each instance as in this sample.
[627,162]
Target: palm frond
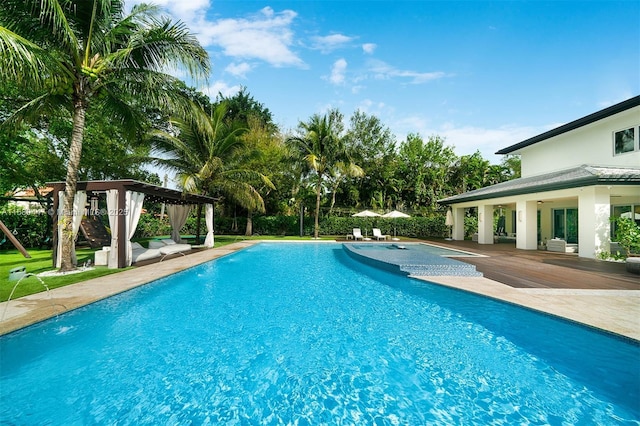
[44,21]
[27,63]
[158,45]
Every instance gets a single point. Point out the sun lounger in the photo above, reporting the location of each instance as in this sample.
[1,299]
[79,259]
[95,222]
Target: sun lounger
[357,234]
[168,247]
[139,253]
[377,234]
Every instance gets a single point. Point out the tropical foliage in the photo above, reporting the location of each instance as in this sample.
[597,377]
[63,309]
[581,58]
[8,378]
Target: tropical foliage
[76,55]
[203,150]
[85,94]
[320,146]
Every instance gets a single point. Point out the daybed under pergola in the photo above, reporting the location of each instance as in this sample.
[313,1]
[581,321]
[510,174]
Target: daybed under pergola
[124,205]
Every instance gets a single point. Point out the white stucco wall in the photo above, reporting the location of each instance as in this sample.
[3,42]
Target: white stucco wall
[591,144]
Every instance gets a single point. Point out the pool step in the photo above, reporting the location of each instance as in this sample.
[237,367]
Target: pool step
[411,262]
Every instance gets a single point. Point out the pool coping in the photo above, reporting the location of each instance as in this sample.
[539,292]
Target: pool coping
[614,311]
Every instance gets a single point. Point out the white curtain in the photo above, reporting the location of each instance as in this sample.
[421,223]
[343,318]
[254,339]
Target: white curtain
[79,202]
[112,208]
[61,198]
[208,218]
[177,218]
[134,208]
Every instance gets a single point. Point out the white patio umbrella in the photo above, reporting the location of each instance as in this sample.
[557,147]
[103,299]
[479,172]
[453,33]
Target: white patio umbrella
[394,215]
[366,213]
[448,221]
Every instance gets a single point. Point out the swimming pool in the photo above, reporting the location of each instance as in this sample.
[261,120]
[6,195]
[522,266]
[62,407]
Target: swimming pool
[302,334]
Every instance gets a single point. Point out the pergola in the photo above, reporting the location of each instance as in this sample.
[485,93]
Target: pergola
[124,204]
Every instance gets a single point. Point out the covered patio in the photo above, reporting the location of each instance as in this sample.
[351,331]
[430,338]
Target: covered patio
[124,201]
[572,206]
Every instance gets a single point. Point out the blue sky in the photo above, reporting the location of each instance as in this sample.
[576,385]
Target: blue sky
[483,75]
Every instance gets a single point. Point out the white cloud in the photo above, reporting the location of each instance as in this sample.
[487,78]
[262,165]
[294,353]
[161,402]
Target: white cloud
[238,70]
[338,71]
[266,36]
[220,87]
[369,48]
[185,10]
[379,109]
[469,139]
[331,42]
[466,140]
[383,71]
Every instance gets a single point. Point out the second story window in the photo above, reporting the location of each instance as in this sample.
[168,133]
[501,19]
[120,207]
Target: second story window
[625,140]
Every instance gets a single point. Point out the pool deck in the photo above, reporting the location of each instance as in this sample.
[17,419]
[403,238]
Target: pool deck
[596,293]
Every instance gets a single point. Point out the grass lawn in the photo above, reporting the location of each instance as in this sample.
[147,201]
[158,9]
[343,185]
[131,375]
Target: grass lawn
[40,261]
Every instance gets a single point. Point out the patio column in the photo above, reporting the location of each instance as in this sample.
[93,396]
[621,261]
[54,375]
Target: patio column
[458,224]
[485,224]
[527,225]
[594,210]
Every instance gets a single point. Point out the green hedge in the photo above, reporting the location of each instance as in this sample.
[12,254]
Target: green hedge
[150,226]
[32,230]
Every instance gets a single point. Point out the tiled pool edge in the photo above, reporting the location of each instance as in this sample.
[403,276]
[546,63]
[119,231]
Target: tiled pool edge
[411,263]
[28,310]
[613,311]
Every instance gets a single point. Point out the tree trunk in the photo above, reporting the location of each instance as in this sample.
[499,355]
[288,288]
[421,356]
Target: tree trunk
[316,223]
[249,229]
[333,200]
[73,165]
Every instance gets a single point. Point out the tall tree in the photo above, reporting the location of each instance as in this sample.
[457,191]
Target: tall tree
[268,155]
[321,146]
[242,107]
[81,54]
[203,149]
[372,147]
[424,168]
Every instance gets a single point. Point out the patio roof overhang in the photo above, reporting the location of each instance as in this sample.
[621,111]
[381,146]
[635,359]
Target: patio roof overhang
[153,193]
[565,179]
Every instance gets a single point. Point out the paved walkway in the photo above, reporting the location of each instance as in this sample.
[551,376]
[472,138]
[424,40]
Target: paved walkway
[599,294]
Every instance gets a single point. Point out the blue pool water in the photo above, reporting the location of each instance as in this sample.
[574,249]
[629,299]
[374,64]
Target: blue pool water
[303,334]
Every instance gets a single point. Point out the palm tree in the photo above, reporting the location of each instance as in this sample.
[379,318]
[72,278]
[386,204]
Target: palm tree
[323,150]
[207,151]
[81,54]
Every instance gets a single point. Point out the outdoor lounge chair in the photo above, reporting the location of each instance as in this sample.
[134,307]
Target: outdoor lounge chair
[377,234]
[139,253]
[168,247]
[357,234]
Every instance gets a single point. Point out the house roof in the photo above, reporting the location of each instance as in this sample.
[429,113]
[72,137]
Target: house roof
[153,193]
[29,192]
[575,177]
[591,118]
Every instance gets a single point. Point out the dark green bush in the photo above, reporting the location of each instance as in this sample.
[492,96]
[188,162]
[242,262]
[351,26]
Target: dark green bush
[31,230]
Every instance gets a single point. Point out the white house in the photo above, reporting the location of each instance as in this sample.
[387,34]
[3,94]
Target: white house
[575,178]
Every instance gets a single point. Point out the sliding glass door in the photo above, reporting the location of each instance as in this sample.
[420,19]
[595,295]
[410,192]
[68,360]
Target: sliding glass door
[565,225]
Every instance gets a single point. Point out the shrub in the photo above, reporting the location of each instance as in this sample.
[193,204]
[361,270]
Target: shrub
[628,234]
[32,230]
